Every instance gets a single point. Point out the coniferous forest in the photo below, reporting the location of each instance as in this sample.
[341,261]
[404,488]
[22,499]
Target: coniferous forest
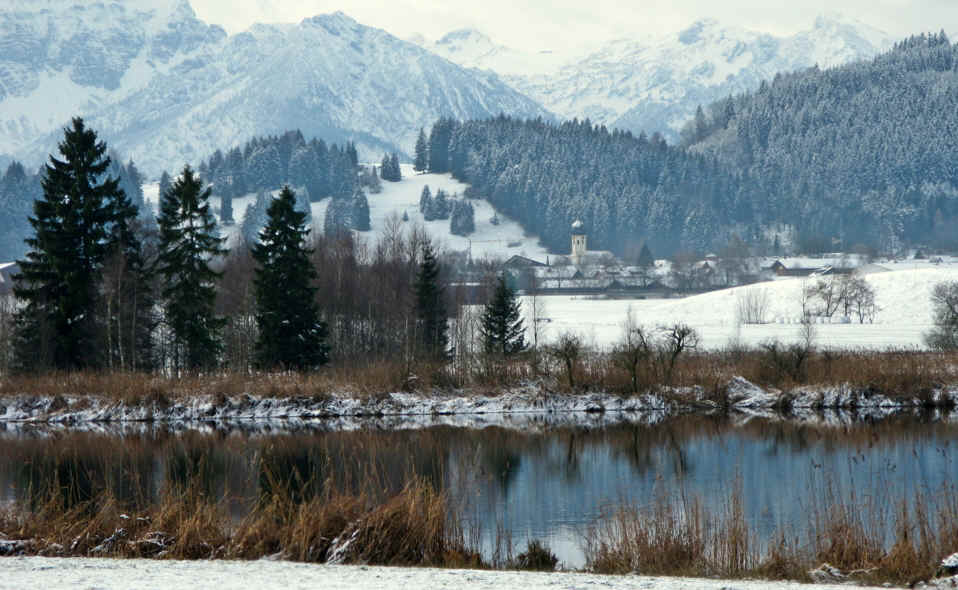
[863,153]
[872,142]
[105,286]
[859,154]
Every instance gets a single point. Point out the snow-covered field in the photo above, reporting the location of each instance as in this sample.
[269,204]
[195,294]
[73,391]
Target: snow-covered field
[903,297]
[21,573]
[499,241]
[902,293]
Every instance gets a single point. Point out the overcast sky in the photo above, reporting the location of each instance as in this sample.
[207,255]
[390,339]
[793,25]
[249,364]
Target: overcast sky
[552,24]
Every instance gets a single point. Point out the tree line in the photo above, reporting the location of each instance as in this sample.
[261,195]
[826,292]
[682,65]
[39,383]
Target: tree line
[627,190]
[862,153]
[858,156]
[102,287]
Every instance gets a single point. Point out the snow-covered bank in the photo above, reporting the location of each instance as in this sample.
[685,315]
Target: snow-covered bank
[107,574]
[523,407]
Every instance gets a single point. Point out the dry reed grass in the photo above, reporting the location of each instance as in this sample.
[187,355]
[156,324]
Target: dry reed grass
[410,528]
[894,373]
[677,536]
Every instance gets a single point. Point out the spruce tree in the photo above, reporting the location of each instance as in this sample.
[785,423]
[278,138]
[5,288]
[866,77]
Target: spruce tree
[385,168]
[463,219]
[226,210]
[359,218]
[188,241]
[60,324]
[394,165]
[440,205]
[503,332]
[128,286]
[431,326]
[425,199]
[422,153]
[165,183]
[646,260]
[291,334]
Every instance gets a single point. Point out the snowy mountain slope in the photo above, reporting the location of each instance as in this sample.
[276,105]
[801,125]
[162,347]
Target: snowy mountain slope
[488,241]
[473,49]
[710,62]
[328,76]
[655,84]
[59,58]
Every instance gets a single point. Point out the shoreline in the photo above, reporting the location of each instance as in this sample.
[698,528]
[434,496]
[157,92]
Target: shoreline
[529,404]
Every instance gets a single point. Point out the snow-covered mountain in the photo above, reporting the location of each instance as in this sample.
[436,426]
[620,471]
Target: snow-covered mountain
[655,84]
[164,87]
[328,76]
[473,49]
[59,58]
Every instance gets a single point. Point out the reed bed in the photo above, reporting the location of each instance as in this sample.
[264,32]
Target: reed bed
[381,497]
[894,373]
[411,527]
[678,536]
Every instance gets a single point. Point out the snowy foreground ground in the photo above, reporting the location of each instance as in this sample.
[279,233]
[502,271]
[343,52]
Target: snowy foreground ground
[22,573]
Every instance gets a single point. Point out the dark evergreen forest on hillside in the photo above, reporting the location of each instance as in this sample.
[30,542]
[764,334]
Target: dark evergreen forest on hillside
[860,154]
[625,189]
[866,152]
[19,188]
[266,163]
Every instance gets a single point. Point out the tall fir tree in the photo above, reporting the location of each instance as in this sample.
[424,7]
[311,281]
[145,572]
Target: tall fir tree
[503,332]
[463,218]
[394,164]
[291,334]
[425,200]
[165,183]
[128,285]
[188,241]
[385,168]
[359,219]
[431,327]
[646,260]
[421,162]
[60,323]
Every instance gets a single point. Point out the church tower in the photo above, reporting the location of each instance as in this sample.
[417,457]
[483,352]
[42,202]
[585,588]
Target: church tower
[578,242]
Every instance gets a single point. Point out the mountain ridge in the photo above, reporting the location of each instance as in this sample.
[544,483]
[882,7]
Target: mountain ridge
[654,84]
[328,75]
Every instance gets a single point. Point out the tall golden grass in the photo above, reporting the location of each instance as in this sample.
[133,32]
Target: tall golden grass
[680,537]
[895,373]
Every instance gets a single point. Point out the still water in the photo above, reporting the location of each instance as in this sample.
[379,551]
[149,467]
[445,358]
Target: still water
[512,486]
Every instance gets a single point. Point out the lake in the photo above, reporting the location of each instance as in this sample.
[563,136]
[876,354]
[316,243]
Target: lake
[509,486]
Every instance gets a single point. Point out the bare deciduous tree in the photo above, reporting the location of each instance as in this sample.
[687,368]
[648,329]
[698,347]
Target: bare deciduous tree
[567,350]
[944,301]
[634,350]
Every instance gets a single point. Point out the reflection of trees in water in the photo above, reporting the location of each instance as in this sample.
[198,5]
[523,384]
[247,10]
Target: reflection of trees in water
[197,464]
[72,472]
[136,469]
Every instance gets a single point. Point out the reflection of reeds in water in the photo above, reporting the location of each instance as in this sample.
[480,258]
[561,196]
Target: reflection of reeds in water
[397,497]
[862,535]
[303,510]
